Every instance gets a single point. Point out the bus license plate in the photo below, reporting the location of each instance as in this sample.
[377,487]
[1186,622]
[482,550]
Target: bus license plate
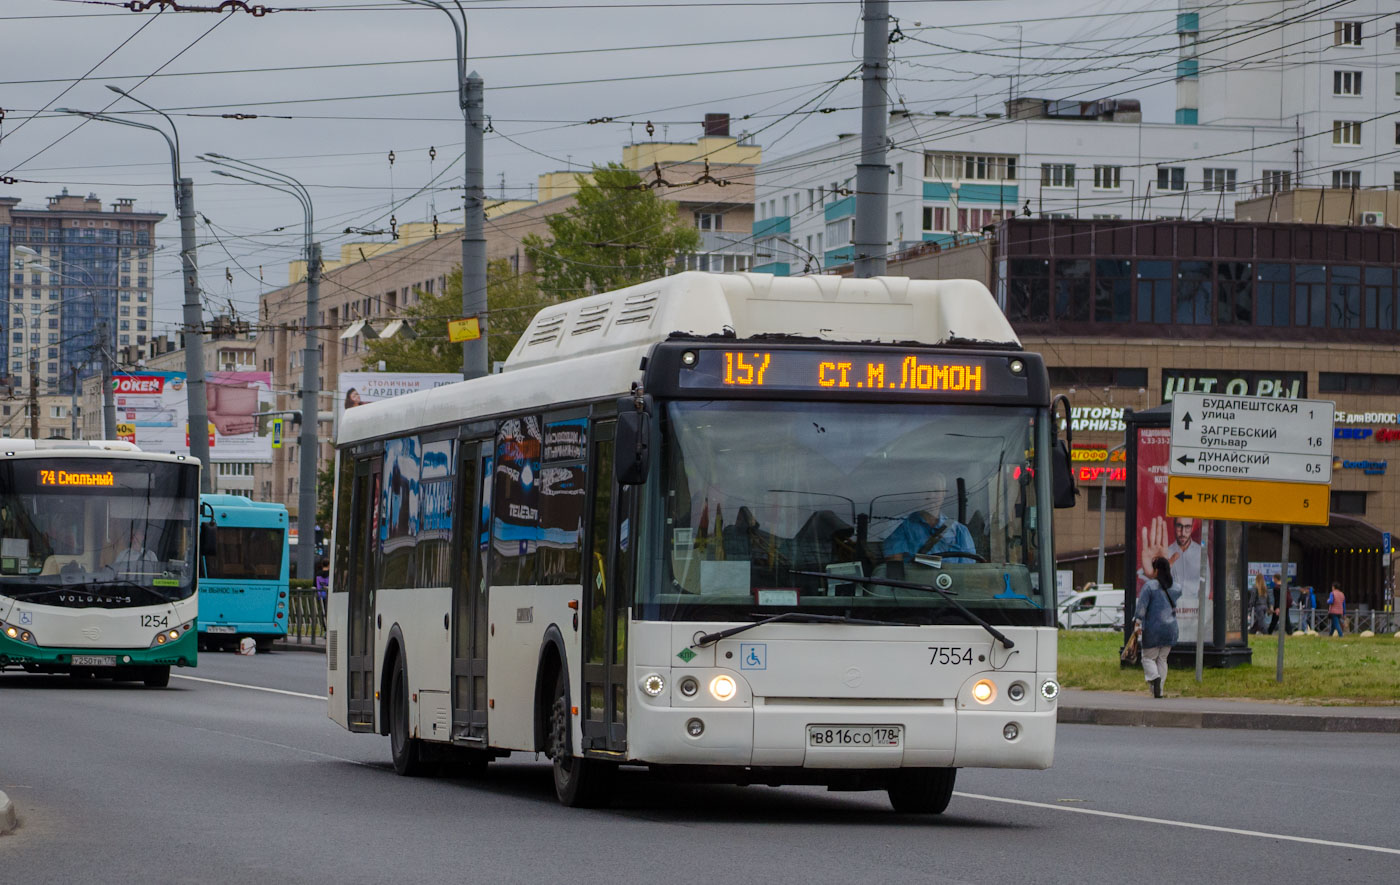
[883,736]
[220,628]
[94,660]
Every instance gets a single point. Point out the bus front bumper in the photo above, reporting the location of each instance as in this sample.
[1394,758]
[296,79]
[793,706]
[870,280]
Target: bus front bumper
[180,652]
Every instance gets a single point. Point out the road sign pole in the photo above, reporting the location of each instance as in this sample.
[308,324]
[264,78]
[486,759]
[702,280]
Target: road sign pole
[1280,601]
[1201,627]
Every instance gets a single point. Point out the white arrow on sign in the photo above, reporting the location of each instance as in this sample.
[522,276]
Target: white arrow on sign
[1250,464]
[1252,424]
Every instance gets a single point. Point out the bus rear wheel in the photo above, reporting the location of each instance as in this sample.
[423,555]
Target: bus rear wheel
[156,677]
[922,790]
[578,782]
[407,751]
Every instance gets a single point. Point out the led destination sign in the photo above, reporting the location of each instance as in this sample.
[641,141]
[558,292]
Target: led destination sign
[73,478]
[850,371]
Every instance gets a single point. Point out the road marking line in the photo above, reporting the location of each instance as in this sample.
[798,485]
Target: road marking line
[1181,823]
[295,694]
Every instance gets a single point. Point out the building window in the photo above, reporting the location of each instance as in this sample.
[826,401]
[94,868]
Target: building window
[899,175]
[1193,293]
[936,218]
[1346,33]
[1108,178]
[1117,497]
[1346,179]
[1357,382]
[1171,178]
[973,220]
[1346,132]
[1220,180]
[1277,180]
[1344,306]
[838,233]
[1310,295]
[1057,175]
[1027,290]
[1346,82]
[898,226]
[973,167]
[1154,292]
[1397,133]
[1349,502]
[1271,308]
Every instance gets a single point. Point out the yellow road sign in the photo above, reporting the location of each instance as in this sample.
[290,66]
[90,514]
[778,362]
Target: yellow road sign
[468,329]
[1248,500]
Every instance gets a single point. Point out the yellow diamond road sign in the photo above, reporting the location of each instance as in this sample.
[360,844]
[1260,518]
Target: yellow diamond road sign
[468,329]
[1248,500]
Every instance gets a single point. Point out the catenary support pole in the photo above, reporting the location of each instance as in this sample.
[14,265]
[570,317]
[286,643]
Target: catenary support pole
[1280,598]
[194,340]
[73,406]
[474,353]
[109,398]
[310,411]
[33,394]
[871,239]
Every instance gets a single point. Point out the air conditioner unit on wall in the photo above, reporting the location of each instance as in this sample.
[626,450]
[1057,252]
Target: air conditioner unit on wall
[1373,219]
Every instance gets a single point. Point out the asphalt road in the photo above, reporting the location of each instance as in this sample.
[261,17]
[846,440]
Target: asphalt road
[235,783]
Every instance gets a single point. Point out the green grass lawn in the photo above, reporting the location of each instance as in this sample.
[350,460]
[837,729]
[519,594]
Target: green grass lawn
[1316,670]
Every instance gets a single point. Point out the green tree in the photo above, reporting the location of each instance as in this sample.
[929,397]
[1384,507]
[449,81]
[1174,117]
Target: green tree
[617,233]
[512,300]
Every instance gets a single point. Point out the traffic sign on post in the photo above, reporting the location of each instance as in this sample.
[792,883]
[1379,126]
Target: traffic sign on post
[1250,458]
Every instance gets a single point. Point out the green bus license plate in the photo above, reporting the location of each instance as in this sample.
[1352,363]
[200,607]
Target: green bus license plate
[94,660]
[882,736]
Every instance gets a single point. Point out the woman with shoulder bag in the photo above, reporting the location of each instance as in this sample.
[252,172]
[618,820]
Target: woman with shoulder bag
[1155,622]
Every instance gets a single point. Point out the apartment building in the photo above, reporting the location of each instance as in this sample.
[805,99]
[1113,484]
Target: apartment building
[73,267]
[1271,96]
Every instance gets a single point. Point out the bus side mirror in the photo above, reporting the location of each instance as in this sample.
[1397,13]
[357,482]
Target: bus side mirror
[206,536]
[632,449]
[1061,467]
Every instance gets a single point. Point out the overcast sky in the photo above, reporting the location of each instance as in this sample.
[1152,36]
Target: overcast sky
[320,62]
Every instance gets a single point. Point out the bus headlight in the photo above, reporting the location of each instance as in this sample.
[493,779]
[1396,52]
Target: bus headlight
[1050,689]
[723,687]
[1017,692]
[984,691]
[653,684]
[19,634]
[690,686]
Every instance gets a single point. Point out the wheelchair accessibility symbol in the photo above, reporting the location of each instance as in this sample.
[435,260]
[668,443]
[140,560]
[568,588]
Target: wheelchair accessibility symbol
[753,656]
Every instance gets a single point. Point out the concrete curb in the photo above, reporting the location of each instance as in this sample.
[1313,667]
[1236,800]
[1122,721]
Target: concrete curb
[8,819]
[1340,722]
[294,646]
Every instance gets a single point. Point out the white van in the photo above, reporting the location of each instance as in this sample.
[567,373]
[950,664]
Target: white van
[1092,608]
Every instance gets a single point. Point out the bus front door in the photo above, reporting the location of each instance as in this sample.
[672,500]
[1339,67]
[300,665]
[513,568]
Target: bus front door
[360,574]
[469,618]
[607,589]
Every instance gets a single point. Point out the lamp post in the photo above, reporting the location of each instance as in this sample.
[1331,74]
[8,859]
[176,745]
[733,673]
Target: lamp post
[1103,504]
[193,314]
[109,427]
[252,173]
[469,98]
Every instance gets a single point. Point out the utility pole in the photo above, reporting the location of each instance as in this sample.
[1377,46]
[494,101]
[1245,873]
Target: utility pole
[33,395]
[871,237]
[73,407]
[109,399]
[310,414]
[474,354]
[194,343]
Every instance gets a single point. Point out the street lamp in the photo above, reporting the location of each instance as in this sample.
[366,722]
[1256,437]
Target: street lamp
[469,97]
[252,173]
[1103,505]
[193,314]
[109,424]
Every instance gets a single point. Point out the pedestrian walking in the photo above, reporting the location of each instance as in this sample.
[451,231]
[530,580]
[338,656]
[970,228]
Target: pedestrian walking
[1336,607]
[1155,622]
[1307,599]
[1280,605]
[1259,604]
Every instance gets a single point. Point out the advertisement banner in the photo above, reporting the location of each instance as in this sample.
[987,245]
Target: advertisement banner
[153,412]
[358,388]
[1184,542]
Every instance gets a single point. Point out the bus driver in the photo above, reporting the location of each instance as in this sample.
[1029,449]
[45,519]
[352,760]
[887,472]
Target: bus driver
[135,557]
[928,531]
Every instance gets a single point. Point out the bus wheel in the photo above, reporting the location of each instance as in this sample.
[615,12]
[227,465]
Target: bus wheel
[922,790]
[578,782]
[407,751]
[157,677]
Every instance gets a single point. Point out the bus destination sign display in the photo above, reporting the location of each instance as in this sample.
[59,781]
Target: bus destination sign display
[850,371]
[70,478]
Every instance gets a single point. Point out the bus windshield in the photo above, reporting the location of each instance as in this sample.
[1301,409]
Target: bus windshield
[847,508]
[100,524]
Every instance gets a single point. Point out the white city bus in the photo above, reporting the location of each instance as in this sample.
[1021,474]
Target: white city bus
[729,527]
[97,559]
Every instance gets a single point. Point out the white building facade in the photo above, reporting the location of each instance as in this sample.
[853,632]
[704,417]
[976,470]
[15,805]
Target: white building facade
[1270,97]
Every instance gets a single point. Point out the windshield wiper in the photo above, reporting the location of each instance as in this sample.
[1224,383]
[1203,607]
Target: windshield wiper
[94,588]
[909,585]
[800,617]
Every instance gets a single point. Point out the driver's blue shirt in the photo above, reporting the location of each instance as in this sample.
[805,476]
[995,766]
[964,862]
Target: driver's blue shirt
[913,533]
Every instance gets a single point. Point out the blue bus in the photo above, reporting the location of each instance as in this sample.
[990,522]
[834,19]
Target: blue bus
[243,572]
